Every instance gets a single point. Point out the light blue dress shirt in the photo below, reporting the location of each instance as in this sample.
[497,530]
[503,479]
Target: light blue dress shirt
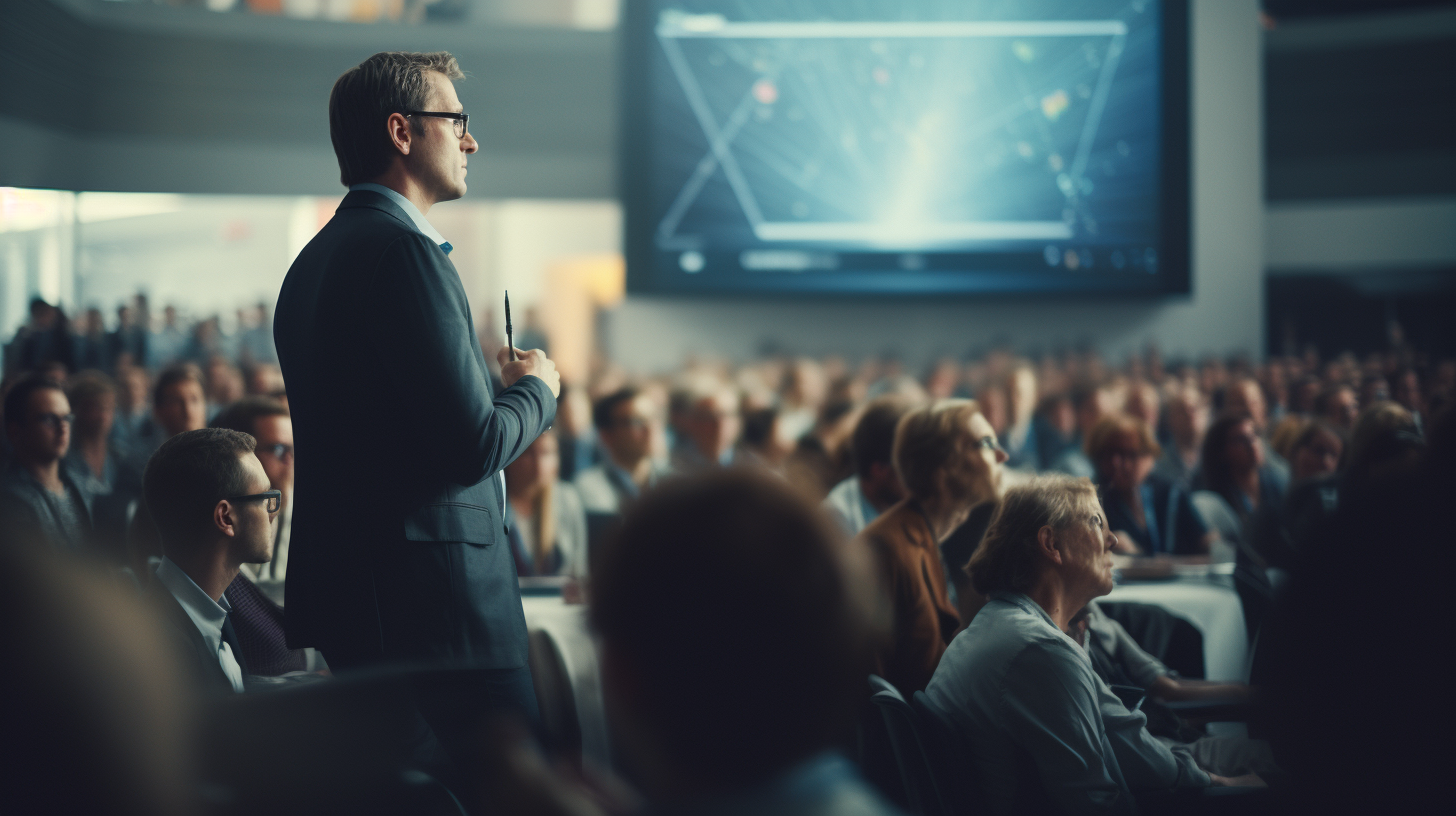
[1030,707]
[206,614]
[421,223]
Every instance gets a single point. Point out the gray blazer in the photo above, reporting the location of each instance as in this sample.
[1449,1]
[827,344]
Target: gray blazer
[398,550]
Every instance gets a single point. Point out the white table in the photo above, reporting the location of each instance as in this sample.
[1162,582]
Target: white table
[1209,604]
[567,626]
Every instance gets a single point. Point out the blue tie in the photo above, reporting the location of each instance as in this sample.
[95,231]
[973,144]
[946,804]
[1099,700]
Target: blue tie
[446,246]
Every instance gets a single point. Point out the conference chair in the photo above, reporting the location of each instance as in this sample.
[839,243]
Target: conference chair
[950,760]
[922,793]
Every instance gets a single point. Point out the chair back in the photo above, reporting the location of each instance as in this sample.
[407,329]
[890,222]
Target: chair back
[950,760]
[922,793]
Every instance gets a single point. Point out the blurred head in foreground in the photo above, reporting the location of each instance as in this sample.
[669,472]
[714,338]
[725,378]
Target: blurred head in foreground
[746,663]
[94,707]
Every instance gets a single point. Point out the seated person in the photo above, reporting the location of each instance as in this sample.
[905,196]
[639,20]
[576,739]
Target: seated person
[1314,493]
[707,428]
[949,461]
[267,420]
[1045,731]
[96,463]
[40,500]
[875,486]
[736,707]
[1233,466]
[210,500]
[1118,659]
[626,422]
[1089,404]
[1149,515]
[547,524]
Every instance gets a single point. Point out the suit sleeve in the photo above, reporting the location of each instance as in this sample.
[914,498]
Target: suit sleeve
[433,360]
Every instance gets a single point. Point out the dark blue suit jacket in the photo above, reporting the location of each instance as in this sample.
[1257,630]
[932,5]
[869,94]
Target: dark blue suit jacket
[398,548]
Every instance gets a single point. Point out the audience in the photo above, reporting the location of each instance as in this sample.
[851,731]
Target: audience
[707,429]
[949,461]
[921,509]
[626,422]
[736,707]
[213,509]
[268,422]
[1233,466]
[39,499]
[1045,732]
[1149,515]
[1187,421]
[178,405]
[547,527]
[875,487]
[1089,404]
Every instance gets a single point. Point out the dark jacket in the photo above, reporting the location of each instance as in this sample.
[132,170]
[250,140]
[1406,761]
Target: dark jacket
[200,662]
[398,548]
[27,512]
[913,579]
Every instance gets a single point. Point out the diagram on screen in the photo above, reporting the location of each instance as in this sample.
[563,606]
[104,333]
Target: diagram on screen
[893,133]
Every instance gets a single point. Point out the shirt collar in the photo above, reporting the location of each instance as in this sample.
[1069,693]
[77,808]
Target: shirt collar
[421,223]
[206,614]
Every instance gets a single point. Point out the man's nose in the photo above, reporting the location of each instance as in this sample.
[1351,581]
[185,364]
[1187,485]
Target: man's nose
[469,144]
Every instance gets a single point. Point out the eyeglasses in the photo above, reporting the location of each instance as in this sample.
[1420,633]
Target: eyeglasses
[55,420]
[273,497]
[462,120]
[988,443]
[280,451]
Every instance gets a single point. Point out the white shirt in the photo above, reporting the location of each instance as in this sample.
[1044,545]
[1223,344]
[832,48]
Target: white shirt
[205,613]
[848,505]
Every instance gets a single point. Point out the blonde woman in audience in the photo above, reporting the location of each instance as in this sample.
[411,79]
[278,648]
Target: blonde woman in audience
[548,528]
[949,461]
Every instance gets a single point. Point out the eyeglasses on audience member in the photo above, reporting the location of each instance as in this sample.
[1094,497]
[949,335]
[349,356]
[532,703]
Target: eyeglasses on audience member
[54,420]
[273,497]
[279,451]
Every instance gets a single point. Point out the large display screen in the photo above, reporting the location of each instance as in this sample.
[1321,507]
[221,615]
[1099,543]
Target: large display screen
[905,146]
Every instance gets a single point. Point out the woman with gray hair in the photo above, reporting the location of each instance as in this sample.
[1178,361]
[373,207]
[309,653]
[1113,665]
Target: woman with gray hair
[1047,734]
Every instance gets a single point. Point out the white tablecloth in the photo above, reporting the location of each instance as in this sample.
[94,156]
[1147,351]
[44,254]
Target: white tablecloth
[566,623]
[1210,604]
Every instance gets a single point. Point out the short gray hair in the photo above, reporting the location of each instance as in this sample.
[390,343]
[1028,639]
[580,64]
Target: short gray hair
[1006,561]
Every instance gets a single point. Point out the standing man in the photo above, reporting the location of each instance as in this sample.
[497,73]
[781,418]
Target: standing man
[398,548]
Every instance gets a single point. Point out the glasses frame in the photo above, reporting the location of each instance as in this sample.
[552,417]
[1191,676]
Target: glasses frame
[286,451]
[274,497]
[54,420]
[462,120]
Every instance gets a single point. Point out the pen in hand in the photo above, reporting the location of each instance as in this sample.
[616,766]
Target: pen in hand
[510,340]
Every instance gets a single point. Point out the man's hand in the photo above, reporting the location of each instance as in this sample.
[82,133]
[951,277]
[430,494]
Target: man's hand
[534,362]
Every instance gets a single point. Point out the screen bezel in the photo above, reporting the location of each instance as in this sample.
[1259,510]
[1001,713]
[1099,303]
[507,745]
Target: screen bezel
[635,39]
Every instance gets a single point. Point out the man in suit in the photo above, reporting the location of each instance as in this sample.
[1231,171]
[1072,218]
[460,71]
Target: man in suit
[399,550]
[209,497]
[39,499]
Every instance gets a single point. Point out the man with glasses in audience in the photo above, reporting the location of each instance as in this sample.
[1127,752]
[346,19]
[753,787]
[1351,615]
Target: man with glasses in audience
[267,421]
[211,501]
[399,551]
[626,422]
[39,499]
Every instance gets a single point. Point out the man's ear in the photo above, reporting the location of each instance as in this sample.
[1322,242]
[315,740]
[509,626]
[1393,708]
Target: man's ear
[224,518]
[1046,541]
[398,128]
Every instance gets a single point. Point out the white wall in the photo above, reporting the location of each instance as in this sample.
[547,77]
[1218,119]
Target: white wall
[1225,311]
